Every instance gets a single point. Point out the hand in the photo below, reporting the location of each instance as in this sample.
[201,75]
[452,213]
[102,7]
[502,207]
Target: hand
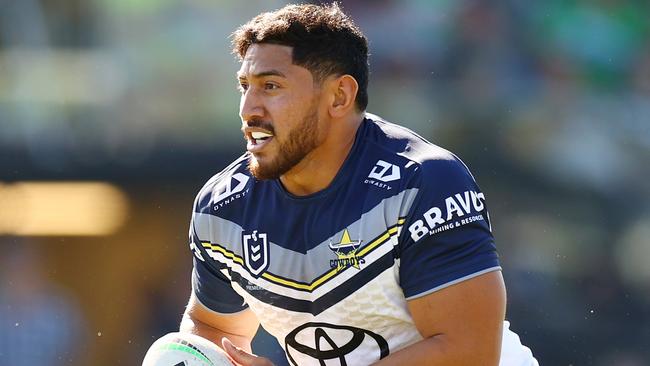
[242,357]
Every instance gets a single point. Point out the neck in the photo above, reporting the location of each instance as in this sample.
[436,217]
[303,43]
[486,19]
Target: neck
[317,170]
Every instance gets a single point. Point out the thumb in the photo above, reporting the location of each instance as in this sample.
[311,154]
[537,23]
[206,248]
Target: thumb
[242,357]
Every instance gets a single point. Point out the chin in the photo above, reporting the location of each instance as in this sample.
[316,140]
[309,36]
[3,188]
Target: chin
[263,170]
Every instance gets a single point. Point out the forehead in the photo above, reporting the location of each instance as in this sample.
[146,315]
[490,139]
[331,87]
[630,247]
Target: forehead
[262,58]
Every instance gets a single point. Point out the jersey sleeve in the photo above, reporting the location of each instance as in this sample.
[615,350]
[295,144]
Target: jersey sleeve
[209,284]
[214,291]
[446,237]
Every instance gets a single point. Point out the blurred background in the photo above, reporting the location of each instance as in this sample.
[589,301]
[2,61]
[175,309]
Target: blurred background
[113,113]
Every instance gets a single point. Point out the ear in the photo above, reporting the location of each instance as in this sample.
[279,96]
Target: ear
[344,92]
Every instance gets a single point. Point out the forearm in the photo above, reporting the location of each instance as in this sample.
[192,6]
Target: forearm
[441,351]
[195,326]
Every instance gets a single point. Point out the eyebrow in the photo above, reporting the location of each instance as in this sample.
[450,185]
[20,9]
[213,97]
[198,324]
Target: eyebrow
[262,74]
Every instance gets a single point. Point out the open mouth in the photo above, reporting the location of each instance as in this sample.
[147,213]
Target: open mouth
[257,140]
[258,137]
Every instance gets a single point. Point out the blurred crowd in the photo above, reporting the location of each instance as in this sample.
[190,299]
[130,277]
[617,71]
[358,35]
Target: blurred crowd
[547,102]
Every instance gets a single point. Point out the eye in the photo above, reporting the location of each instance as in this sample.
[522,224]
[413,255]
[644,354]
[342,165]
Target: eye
[242,87]
[271,86]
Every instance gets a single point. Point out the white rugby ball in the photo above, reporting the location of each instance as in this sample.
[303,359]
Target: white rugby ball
[185,349]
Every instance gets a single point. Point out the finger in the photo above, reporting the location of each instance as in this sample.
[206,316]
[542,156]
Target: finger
[242,357]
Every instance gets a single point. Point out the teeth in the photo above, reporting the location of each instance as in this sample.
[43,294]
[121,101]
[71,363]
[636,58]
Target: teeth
[260,135]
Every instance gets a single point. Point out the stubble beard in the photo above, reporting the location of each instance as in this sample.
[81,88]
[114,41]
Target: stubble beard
[300,142]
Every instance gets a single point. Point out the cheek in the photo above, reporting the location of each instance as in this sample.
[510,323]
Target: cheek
[286,117]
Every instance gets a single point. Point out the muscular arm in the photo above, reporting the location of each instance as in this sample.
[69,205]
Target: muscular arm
[461,325]
[238,327]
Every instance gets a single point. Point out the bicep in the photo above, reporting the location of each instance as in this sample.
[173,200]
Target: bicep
[468,314]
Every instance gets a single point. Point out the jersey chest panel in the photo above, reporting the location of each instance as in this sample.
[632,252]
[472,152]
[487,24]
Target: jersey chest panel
[341,294]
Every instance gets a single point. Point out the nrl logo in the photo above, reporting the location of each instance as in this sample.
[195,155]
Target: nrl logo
[256,252]
[346,252]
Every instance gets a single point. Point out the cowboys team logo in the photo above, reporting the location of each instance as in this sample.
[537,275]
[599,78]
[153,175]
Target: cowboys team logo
[256,252]
[346,252]
[331,344]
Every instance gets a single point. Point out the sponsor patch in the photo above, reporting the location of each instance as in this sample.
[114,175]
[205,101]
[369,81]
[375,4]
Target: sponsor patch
[459,209]
[229,190]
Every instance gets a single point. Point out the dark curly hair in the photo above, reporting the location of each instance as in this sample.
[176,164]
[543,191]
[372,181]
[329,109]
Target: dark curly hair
[325,41]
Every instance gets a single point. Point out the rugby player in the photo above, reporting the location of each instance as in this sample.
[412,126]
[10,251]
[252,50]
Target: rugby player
[352,240]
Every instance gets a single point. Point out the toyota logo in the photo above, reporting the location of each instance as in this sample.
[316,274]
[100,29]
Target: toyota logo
[322,342]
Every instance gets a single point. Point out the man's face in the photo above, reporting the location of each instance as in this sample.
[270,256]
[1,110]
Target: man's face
[278,109]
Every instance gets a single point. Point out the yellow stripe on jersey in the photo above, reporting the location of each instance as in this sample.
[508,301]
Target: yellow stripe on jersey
[226,253]
[385,236]
[298,285]
[320,280]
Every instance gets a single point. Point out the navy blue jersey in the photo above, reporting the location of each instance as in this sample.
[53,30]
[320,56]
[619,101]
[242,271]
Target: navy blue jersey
[329,274]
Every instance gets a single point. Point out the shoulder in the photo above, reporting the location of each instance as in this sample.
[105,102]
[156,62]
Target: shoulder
[234,180]
[422,164]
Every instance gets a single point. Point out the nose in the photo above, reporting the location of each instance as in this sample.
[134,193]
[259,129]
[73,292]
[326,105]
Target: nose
[250,106]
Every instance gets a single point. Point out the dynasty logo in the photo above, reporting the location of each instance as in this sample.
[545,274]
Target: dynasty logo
[382,173]
[230,189]
[346,252]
